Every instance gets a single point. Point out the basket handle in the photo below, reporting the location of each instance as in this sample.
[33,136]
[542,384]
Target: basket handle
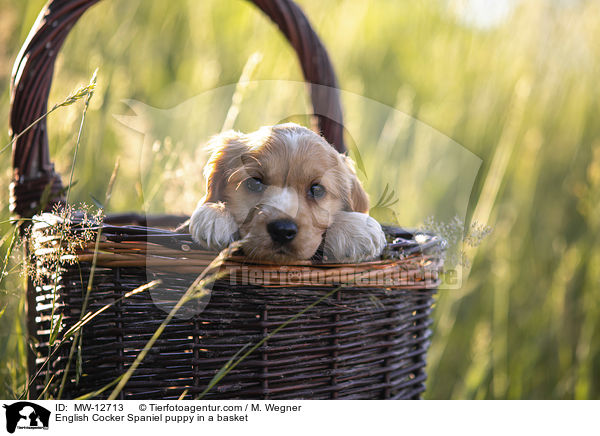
[33,170]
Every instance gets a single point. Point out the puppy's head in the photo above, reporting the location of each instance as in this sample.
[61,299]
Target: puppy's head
[283,185]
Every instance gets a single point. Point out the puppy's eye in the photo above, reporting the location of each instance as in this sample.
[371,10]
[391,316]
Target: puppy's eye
[255,185]
[316,191]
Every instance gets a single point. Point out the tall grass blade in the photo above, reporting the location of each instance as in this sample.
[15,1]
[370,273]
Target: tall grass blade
[85,91]
[9,251]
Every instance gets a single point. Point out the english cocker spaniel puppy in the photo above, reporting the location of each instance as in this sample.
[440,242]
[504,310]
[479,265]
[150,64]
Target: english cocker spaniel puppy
[284,191]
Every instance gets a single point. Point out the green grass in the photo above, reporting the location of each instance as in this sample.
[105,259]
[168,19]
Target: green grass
[522,96]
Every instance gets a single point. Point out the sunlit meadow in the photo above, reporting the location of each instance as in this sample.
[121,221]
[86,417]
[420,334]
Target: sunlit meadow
[491,114]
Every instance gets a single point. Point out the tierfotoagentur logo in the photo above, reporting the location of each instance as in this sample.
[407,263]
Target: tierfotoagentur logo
[415,176]
[24,415]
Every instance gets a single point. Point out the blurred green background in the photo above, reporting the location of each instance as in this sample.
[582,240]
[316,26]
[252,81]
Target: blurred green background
[515,83]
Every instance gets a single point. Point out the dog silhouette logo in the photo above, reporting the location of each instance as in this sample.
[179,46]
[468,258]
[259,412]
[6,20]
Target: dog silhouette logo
[26,415]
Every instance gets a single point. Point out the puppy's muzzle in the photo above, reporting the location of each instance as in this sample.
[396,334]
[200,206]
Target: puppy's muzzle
[282,231]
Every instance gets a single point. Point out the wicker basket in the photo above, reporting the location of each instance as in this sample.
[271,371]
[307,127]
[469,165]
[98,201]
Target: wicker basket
[366,338]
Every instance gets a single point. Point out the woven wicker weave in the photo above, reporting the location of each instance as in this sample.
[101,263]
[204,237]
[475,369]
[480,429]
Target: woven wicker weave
[367,339]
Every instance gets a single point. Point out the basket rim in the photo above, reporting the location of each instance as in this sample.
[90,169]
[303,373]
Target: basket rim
[408,264]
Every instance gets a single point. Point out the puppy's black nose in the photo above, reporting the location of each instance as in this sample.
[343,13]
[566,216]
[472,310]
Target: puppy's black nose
[282,231]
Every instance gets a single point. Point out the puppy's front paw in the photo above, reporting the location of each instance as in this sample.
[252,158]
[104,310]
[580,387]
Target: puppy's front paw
[353,237]
[212,226]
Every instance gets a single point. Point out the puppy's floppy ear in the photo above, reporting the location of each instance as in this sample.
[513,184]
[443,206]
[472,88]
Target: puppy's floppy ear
[358,200]
[227,150]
